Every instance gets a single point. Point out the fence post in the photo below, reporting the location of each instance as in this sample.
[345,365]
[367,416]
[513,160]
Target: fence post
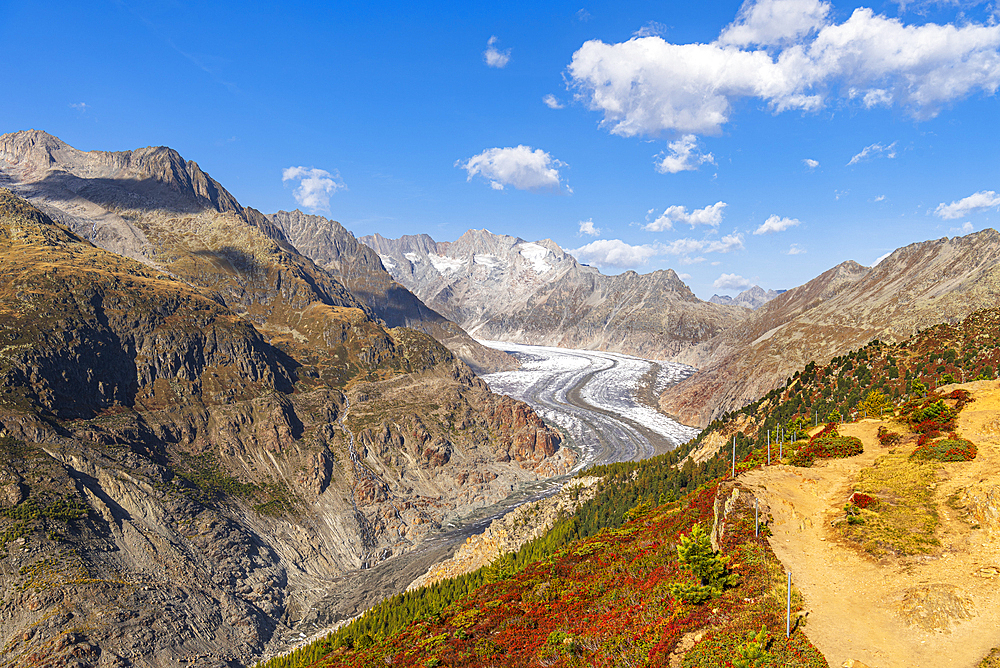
[788,609]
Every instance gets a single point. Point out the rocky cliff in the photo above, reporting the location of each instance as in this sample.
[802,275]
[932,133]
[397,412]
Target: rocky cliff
[197,441]
[504,288]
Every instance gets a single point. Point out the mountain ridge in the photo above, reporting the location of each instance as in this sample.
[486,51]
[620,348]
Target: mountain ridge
[503,287]
[100,196]
[916,286]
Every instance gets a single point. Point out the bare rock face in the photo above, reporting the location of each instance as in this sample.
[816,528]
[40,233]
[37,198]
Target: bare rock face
[504,288]
[507,534]
[359,268]
[844,308]
[205,436]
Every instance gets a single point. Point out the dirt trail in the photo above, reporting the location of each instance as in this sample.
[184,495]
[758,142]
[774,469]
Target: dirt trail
[855,604]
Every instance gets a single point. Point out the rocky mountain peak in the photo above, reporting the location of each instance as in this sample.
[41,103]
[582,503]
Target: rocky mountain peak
[49,171]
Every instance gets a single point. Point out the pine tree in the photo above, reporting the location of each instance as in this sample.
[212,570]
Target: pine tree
[709,568]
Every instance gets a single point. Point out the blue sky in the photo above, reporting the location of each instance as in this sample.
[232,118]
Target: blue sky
[673,133]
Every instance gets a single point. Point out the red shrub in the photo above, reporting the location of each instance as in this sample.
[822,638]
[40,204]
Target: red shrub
[862,500]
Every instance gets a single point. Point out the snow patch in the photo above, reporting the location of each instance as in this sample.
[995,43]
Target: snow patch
[387,261]
[487,260]
[535,254]
[412,257]
[445,264]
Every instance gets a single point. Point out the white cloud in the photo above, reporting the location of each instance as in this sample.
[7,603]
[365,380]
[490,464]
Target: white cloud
[776,224]
[966,228]
[877,97]
[583,15]
[652,28]
[684,277]
[81,106]
[880,198]
[315,186]
[984,199]
[682,156]
[615,253]
[710,215]
[731,282]
[648,86]
[552,102]
[874,151]
[810,163]
[796,249]
[772,22]
[726,244]
[881,257]
[495,57]
[522,167]
[587,227]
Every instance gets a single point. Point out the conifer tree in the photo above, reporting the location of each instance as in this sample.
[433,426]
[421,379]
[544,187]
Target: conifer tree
[709,568]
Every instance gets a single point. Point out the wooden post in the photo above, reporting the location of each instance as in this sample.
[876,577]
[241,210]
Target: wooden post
[768,447]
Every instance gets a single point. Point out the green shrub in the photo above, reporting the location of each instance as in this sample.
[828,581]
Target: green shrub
[951,449]
[708,567]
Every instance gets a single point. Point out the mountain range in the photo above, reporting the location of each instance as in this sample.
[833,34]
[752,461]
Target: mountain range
[501,287]
[504,288]
[842,309]
[751,298]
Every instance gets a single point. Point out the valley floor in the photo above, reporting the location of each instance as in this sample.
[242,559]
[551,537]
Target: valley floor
[940,608]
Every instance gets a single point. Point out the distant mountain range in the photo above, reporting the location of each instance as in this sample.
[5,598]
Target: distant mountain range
[505,288]
[751,298]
